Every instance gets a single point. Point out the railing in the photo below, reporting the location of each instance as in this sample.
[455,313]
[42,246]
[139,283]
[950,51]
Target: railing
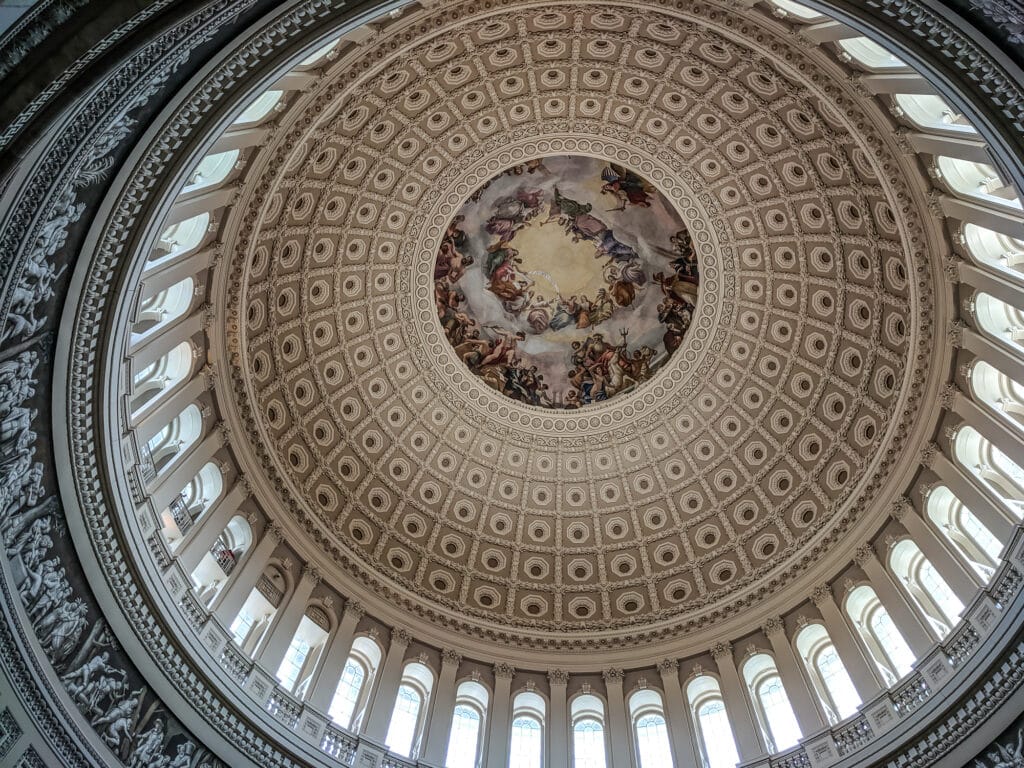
[146,466]
[180,514]
[284,708]
[339,745]
[853,735]
[223,556]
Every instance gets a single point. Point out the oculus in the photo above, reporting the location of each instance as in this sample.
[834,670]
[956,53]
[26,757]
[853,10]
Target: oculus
[566,281]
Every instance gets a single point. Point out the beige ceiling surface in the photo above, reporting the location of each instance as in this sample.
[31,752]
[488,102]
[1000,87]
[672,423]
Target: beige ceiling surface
[740,463]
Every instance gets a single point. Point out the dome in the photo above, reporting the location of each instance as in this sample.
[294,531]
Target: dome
[478,384]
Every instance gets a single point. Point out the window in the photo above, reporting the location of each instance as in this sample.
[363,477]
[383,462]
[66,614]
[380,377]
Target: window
[211,170]
[994,469]
[172,441]
[346,695]
[252,621]
[971,539]
[163,308]
[259,108]
[977,180]
[652,742]
[870,54]
[828,675]
[995,249]
[771,702]
[180,238]
[465,742]
[927,589]
[588,744]
[526,749]
[351,695]
[156,379]
[884,642]
[303,651]
[929,111]
[713,729]
[410,706]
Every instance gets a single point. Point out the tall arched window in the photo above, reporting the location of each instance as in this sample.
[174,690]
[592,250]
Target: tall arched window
[647,713]
[875,627]
[256,614]
[160,377]
[1001,393]
[771,702]
[407,719]
[212,170]
[191,504]
[930,111]
[216,565]
[870,54]
[354,686]
[526,747]
[465,745]
[588,741]
[1001,251]
[929,591]
[163,308]
[998,472]
[961,528]
[713,729]
[173,440]
[180,238]
[260,108]
[303,652]
[977,180]
[828,675]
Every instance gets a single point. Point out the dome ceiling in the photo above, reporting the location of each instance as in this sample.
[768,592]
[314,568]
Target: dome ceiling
[661,507]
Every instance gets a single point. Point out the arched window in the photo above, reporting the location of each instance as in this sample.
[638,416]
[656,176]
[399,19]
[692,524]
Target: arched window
[163,308]
[796,11]
[961,528]
[212,170]
[161,377]
[996,471]
[353,689]
[929,111]
[884,642]
[771,702]
[928,590]
[303,652]
[588,742]
[256,614]
[179,238]
[1001,393]
[465,745]
[977,180]
[1001,251]
[828,675]
[173,440]
[713,729]
[216,565]
[260,108]
[999,320]
[526,747]
[408,717]
[870,54]
[319,54]
[191,504]
[647,713]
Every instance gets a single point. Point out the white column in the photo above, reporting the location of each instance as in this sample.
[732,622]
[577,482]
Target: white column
[240,138]
[903,615]
[804,704]
[167,407]
[229,601]
[969,491]
[169,484]
[558,730]
[961,579]
[175,269]
[993,284]
[443,709]
[748,736]
[499,731]
[982,215]
[202,201]
[909,83]
[971,150]
[826,32]
[383,703]
[677,715]
[275,643]
[862,672]
[159,345]
[325,680]
[197,542]
[618,732]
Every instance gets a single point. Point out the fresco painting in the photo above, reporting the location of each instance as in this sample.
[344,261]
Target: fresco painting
[566,281]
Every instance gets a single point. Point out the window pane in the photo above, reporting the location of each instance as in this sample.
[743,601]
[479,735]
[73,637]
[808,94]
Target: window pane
[294,659]
[781,722]
[891,641]
[940,592]
[837,681]
[717,735]
[526,748]
[403,721]
[463,743]
[588,744]
[347,694]
[652,742]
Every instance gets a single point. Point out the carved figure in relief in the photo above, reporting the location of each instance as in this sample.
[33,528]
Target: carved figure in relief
[118,720]
[149,746]
[1005,755]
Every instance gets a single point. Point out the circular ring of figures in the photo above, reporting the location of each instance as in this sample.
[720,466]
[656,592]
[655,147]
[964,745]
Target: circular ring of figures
[566,281]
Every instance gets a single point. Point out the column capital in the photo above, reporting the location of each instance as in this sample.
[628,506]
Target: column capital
[721,651]
[928,455]
[822,594]
[668,667]
[558,677]
[863,555]
[274,529]
[773,626]
[450,657]
[947,395]
[243,482]
[900,508]
[955,332]
[355,608]
[613,676]
[209,374]
[312,573]
[504,671]
[400,637]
